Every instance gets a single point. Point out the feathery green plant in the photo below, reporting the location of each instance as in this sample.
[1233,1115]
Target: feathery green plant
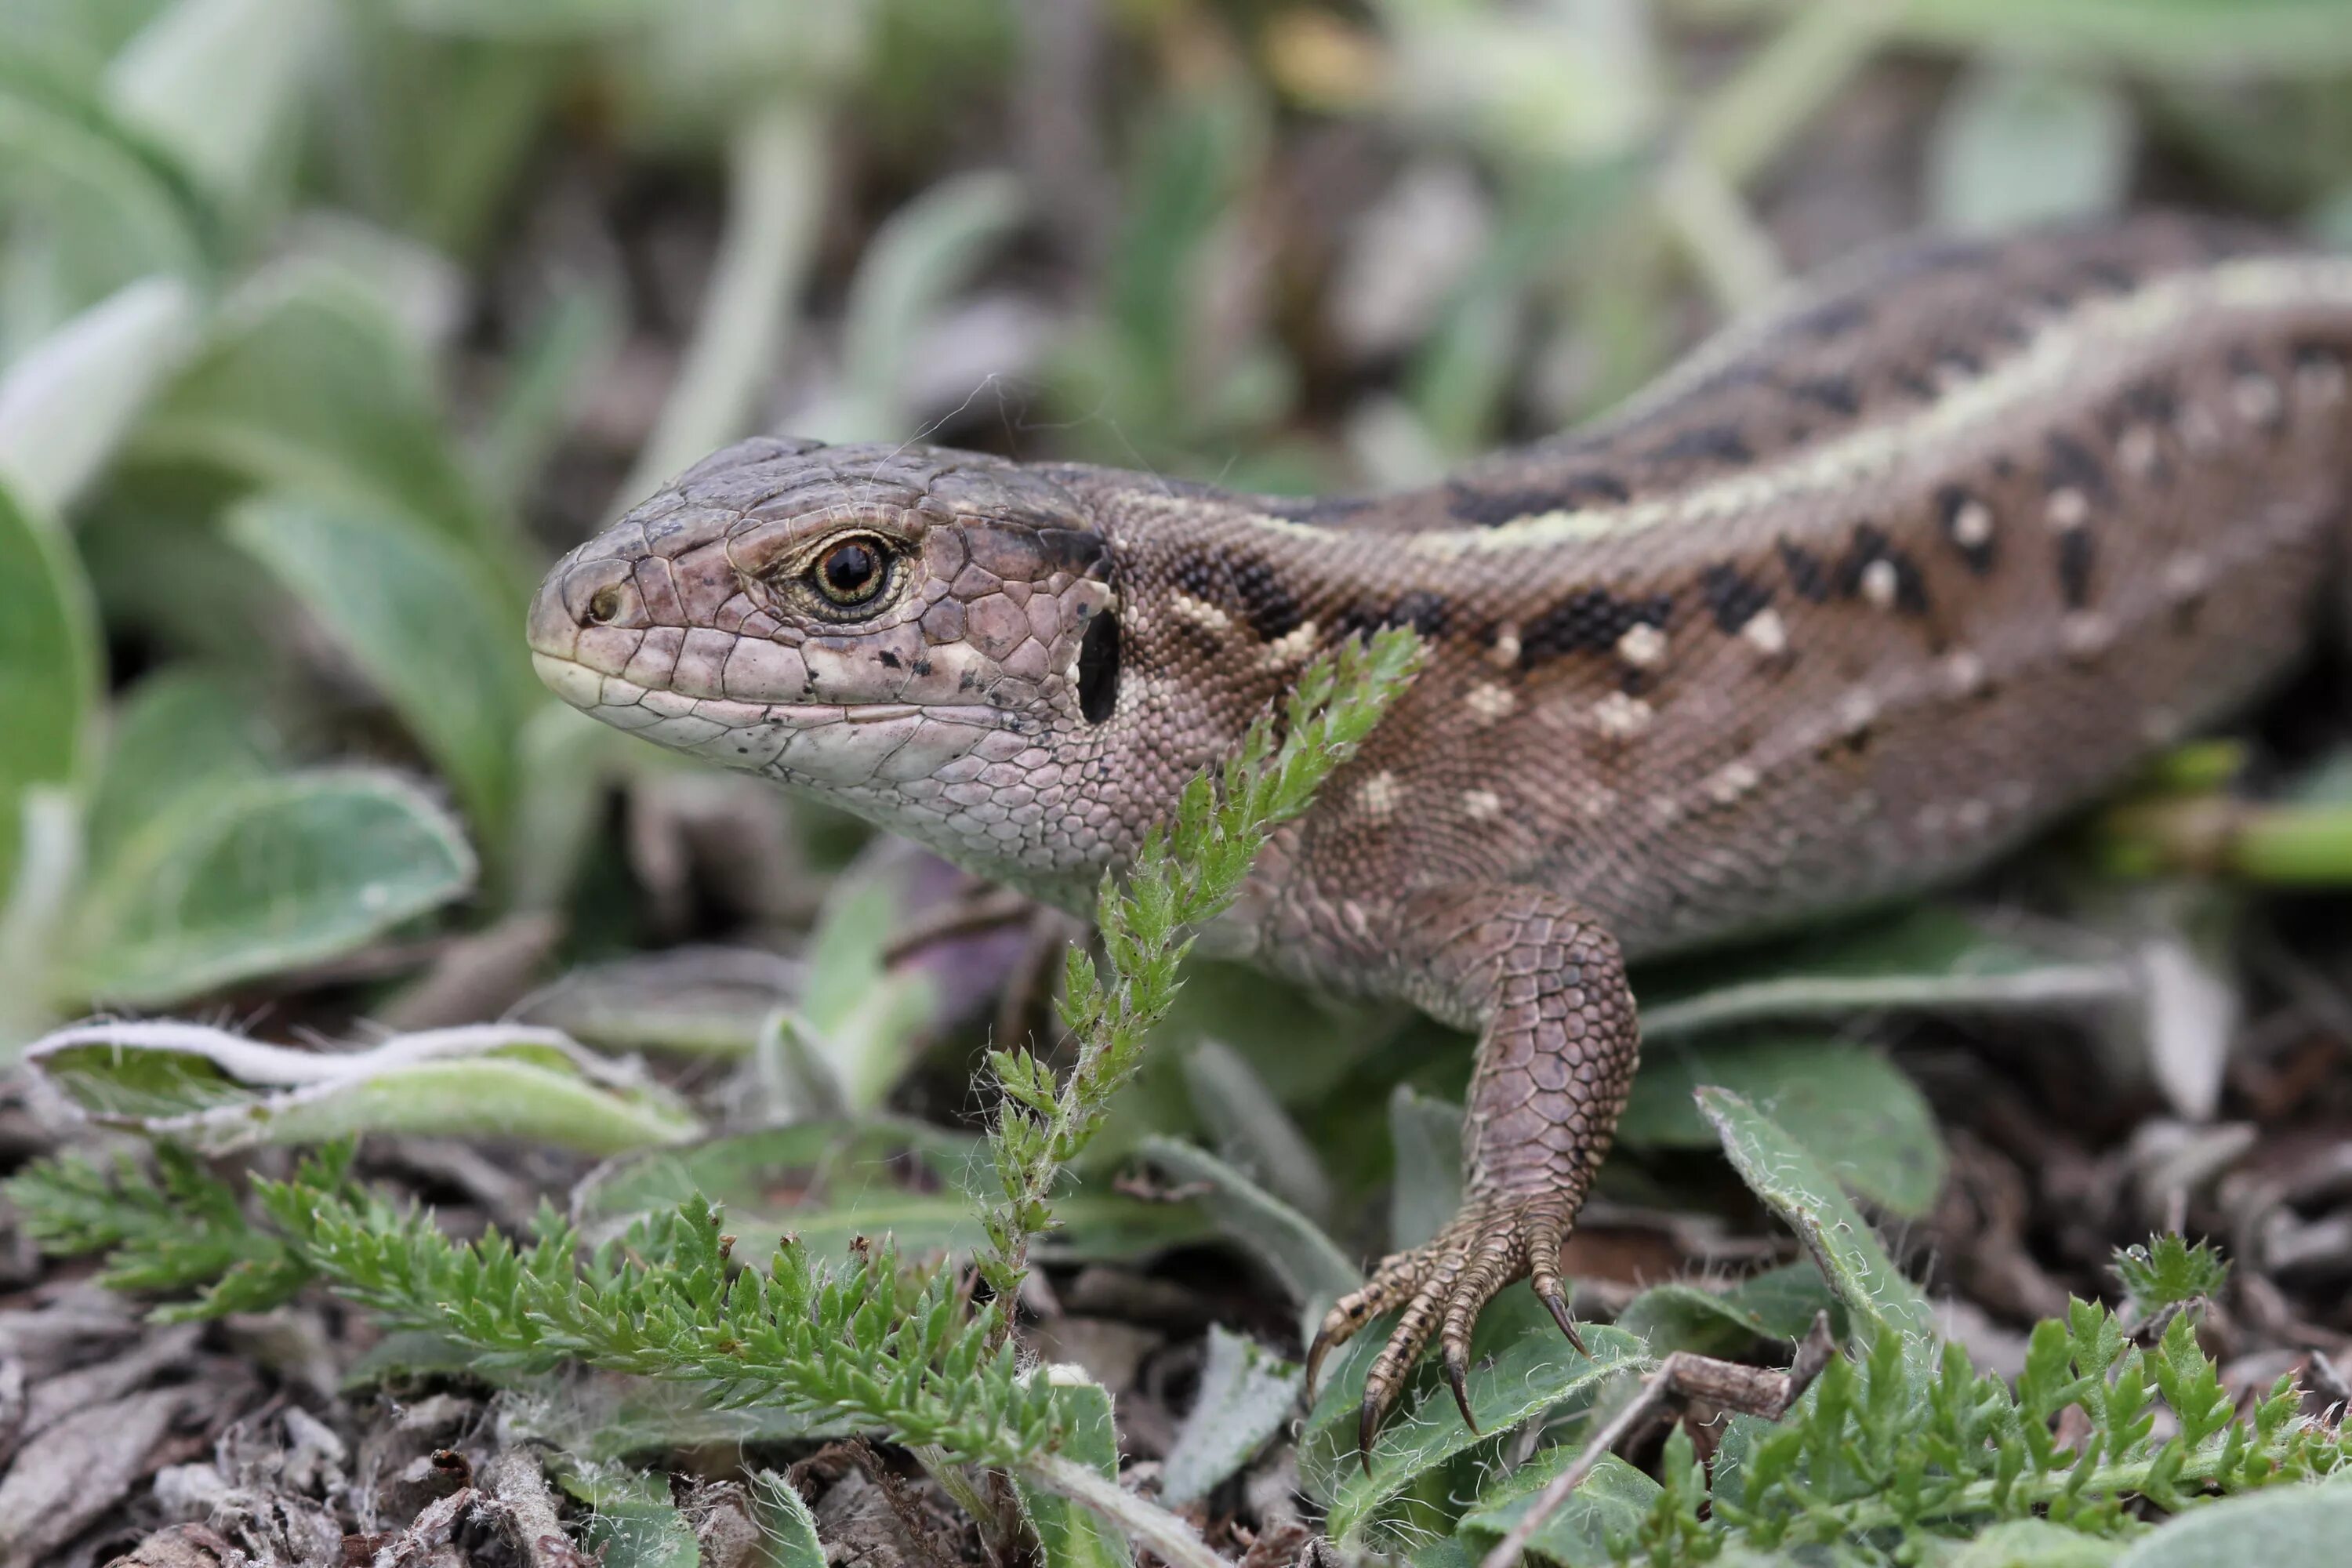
[1183,876]
[2167,1271]
[179,1229]
[1889,1448]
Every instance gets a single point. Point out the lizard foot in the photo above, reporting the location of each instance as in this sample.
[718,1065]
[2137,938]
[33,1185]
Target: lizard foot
[1497,1239]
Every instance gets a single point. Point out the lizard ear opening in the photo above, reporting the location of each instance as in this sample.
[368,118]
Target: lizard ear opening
[1098,668]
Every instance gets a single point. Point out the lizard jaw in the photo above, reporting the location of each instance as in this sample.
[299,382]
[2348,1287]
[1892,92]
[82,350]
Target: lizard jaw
[837,744]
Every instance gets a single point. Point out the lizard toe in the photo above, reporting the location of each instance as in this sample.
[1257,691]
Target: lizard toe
[1442,1286]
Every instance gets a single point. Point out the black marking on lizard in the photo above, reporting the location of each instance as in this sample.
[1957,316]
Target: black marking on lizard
[1590,620]
[1492,508]
[1734,597]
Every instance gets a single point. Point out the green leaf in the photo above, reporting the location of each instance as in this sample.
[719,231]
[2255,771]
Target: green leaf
[2036,1544]
[1426,1190]
[537,21]
[569,348]
[2167,1270]
[1792,1183]
[1245,1396]
[1857,1113]
[926,250]
[785,1521]
[2209,40]
[858,1022]
[1931,958]
[94,207]
[309,385]
[777,157]
[696,1001]
[1612,1502]
[1442,1552]
[632,1523]
[2290,1525]
[566,763]
[1291,1247]
[176,733]
[71,398]
[1537,1373]
[49,664]
[1251,1132]
[1068,1535]
[218,83]
[2017,146]
[1777,1304]
[256,877]
[421,621]
[408,1356]
[217,1093]
[827,1181]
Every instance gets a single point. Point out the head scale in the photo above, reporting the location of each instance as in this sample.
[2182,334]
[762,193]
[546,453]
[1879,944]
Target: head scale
[926,637]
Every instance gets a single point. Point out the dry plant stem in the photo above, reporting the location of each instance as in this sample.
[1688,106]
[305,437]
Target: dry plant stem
[1152,1528]
[982,910]
[1682,1376]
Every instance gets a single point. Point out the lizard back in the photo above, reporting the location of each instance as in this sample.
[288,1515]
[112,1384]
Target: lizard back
[1855,598]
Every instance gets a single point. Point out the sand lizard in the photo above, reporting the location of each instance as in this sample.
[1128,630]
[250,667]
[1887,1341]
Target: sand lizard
[1862,592]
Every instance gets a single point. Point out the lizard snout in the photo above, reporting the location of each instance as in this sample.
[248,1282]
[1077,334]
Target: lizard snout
[579,595]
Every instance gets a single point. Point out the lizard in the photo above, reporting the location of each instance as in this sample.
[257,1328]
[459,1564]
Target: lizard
[1862,592]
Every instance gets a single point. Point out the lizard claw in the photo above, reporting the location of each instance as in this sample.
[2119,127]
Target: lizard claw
[1457,1371]
[1440,1286]
[1557,1303]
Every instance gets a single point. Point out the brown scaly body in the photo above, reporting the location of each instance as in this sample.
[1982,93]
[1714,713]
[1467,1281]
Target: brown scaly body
[1857,597]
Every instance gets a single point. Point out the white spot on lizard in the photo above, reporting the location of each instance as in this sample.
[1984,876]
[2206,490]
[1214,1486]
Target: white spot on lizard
[1880,582]
[1620,717]
[1290,648]
[1643,646]
[1731,781]
[1491,702]
[1965,671]
[1200,612]
[2086,633]
[1972,526]
[1378,796]
[1767,632]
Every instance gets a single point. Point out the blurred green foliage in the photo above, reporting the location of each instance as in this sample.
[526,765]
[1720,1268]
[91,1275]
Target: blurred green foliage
[325,323]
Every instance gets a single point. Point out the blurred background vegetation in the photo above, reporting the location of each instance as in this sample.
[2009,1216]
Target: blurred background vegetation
[326,324]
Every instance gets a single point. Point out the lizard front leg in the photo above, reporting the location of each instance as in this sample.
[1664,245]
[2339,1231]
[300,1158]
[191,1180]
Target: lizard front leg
[1543,984]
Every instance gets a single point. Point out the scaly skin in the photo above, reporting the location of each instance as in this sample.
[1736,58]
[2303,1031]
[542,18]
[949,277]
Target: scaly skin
[1859,596]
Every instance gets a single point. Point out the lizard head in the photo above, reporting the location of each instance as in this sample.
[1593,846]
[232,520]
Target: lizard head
[929,638]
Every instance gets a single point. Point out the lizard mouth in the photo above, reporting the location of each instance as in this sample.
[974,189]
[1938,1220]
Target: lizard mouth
[744,734]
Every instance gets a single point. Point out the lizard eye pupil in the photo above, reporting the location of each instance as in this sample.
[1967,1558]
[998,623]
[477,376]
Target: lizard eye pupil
[851,571]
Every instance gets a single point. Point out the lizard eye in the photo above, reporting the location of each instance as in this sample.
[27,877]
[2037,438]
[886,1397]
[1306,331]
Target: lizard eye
[851,571]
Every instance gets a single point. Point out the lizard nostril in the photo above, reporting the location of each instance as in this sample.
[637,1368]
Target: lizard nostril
[604,606]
